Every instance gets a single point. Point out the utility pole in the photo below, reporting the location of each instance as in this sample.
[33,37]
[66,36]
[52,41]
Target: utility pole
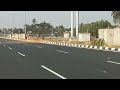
[25,26]
[72,23]
[77,23]
[13,24]
[4,32]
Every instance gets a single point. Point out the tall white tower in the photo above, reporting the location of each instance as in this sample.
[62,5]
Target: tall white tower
[77,23]
[72,23]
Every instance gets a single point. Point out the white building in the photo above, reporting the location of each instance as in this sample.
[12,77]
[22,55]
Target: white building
[66,34]
[111,36]
[84,37]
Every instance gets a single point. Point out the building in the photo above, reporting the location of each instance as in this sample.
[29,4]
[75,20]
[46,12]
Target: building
[83,37]
[111,36]
[66,34]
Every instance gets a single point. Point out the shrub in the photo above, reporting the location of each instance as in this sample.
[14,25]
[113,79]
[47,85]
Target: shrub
[98,42]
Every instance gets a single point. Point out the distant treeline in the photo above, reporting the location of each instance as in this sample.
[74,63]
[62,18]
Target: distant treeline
[46,29]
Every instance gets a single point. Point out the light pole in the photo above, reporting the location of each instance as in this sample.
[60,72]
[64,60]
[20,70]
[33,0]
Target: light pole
[13,24]
[25,23]
[4,32]
[77,23]
[72,23]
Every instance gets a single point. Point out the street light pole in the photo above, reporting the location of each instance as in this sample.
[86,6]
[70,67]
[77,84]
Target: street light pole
[72,23]
[77,22]
[25,23]
[13,24]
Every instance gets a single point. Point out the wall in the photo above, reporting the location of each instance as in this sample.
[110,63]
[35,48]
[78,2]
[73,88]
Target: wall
[84,37]
[111,36]
[66,35]
[17,36]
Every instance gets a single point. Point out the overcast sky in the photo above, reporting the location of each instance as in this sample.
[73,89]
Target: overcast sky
[9,19]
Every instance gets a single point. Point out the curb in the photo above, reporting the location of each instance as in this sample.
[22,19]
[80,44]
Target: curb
[85,46]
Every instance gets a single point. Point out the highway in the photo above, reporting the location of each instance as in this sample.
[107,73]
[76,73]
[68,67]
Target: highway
[21,60]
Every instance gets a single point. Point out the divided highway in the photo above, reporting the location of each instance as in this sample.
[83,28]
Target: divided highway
[21,60]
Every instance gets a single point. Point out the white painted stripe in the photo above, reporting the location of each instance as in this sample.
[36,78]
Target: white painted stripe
[118,49]
[91,46]
[79,45]
[113,62]
[101,71]
[82,45]
[86,46]
[69,44]
[21,54]
[95,47]
[106,48]
[4,45]
[0,43]
[62,51]
[9,47]
[66,44]
[112,48]
[101,47]
[38,47]
[53,72]
[75,45]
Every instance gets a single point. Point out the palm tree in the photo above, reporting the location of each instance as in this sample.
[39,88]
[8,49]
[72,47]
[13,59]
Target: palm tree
[116,17]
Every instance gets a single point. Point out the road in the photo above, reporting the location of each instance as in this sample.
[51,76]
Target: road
[21,60]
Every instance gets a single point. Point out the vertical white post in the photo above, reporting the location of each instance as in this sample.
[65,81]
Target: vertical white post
[77,22]
[25,23]
[72,22]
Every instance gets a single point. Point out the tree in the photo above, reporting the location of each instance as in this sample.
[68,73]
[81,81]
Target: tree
[40,29]
[60,30]
[0,31]
[94,26]
[116,17]
[34,21]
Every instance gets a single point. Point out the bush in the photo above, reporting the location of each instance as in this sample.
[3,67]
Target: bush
[99,42]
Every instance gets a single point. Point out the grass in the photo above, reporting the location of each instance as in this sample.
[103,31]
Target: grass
[75,41]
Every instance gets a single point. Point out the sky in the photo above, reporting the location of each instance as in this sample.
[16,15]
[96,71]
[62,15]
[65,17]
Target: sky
[10,19]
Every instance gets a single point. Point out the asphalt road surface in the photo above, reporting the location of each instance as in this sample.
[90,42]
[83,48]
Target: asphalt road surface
[21,60]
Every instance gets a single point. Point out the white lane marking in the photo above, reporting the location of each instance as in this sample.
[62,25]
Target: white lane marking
[62,51]
[113,62]
[21,54]
[9,47]
[26,44]
[4,45]
[53,72]
[38,47]
[101,71]
[0,43]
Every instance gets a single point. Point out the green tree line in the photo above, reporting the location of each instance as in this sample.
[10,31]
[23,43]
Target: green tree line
[47,29]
